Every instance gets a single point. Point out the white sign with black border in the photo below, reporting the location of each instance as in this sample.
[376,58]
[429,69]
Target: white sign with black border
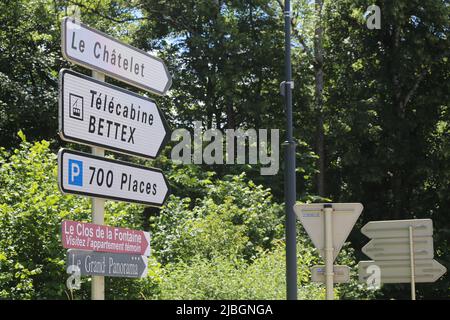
[96,50]
[85,174]
[96,113]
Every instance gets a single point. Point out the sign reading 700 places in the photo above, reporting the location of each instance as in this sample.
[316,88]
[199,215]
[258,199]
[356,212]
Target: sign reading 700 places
[95,113]
[88,175]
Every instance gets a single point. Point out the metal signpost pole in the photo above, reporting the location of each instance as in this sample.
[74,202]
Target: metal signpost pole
[290,188]
[329,258]
[411,253]
[98,212]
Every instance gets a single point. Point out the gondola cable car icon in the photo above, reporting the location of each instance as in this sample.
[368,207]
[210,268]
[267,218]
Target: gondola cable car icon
[76,106]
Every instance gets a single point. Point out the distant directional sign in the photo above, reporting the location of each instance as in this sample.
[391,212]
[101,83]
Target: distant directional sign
[427,270]
[344,216]
[85,174]
[108,264]
[94,237]
[96,50]
[399,248]
[398,228]
[96,113]
[402,251]
[341,274]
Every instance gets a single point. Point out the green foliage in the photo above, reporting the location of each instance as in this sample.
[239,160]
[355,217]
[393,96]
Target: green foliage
[387,107]
[386,121]
[228,245]
[31,209]
[30,59]
[235,217]
[28,62]
[220,278]
[32,259]
[353,290]
[230,52]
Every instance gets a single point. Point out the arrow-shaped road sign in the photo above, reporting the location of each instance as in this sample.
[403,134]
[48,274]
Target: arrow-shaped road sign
[95,237]
[399,248]
[398,228]
[108,264]
[96,50]
[85,174]
[341,274]
[344,217]
[96,113]
[427,270]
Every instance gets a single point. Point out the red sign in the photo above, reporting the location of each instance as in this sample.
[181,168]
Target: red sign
[94,237]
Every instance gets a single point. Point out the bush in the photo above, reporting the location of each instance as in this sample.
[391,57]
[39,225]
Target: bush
[236,218]
[220,278]
[32,259]
[227,243]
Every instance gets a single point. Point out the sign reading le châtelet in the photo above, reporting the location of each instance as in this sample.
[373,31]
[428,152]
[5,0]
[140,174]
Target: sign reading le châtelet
[95,237]
[108,264]
[96,113]
[96,50]
[85,174]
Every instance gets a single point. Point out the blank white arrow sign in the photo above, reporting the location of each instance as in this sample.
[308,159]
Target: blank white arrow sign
[398,248]
[398,228]
[428,270]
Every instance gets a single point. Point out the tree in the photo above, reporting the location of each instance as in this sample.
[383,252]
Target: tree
[387,109]
[28,70]
[30,60]
[225,244]
[225,56]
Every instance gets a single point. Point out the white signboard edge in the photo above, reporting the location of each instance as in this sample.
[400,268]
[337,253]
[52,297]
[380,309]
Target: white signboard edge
[68,138]
[111,74]
[61,153]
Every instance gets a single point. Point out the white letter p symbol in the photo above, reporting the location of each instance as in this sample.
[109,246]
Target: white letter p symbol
[75,172]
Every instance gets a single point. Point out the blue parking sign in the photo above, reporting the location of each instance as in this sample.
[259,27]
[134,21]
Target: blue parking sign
[75,172]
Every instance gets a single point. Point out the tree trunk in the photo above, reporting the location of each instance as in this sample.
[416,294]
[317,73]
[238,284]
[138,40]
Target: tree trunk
[320,150]
[318,98]
[231,121]
[399,130]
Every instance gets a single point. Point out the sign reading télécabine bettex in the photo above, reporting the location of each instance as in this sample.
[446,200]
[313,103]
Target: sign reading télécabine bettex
[96,50]
[94,237]
[96,113]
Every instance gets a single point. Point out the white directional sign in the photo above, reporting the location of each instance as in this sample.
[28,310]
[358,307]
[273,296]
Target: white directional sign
[399,248]
[89,175]
[96,113]
[96,50]
[398,228]
[427,270]
[344,217]
[341,274]
[402,251]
